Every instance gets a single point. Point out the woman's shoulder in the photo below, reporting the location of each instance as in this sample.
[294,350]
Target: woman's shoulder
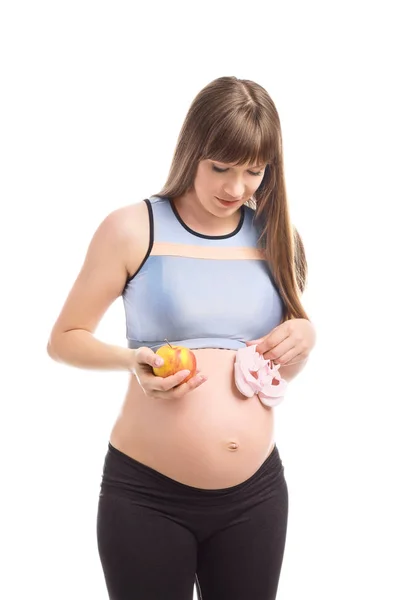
[126,222]
[126,229]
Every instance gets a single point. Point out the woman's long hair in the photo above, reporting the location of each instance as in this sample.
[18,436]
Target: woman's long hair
[235,121]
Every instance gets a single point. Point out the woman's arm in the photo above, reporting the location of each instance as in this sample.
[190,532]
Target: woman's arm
[79,348]
[115,251]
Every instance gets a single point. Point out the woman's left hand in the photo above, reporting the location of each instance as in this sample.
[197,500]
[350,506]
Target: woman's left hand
[289,343]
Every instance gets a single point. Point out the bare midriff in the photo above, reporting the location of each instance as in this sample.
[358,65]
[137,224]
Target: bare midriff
[212,438]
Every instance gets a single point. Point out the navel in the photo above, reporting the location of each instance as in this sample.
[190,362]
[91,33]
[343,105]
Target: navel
[233,446]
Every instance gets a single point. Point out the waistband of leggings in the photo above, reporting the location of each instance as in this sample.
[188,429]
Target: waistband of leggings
[271,464]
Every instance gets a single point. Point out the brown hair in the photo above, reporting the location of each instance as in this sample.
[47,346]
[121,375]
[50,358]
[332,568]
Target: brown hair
[235,121]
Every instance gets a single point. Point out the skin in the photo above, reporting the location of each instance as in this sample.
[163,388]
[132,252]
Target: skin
[290,343]
[179,429]
[116,252]
[200,209]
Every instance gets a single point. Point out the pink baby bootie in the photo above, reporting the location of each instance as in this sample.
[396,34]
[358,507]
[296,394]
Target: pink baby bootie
[254,375]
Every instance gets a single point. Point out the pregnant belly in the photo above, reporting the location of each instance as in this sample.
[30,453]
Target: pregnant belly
[212,438]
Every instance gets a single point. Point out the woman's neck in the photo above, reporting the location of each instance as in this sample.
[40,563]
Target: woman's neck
[195,216]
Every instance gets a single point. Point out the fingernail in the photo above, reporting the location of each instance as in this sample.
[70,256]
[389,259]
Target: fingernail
[185,373]
[158,361]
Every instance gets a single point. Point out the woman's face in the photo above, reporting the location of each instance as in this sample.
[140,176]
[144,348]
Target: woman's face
[222,188]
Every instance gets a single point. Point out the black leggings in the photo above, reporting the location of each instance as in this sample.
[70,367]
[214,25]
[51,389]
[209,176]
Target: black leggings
[157,537]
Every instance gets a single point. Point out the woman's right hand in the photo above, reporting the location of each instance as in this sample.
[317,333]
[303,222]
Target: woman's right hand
[169,388]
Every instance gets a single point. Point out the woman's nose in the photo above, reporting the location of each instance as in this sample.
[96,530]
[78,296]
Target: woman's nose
[235,190]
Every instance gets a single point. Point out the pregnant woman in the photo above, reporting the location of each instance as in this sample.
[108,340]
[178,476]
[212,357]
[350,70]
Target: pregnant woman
[193,491]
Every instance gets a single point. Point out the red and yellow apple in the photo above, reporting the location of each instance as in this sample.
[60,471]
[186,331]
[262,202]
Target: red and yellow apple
[176,358]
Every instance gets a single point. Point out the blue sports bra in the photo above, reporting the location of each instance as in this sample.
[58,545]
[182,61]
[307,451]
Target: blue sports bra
[197,290]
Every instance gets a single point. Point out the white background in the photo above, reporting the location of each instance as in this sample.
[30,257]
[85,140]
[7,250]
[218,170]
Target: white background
[93,95]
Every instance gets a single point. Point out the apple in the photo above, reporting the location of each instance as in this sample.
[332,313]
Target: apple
[176,358]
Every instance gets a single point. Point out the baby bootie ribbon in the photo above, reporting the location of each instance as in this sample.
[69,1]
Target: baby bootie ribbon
[254,375]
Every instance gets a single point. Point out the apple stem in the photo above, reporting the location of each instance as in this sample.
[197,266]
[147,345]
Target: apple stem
[168,342]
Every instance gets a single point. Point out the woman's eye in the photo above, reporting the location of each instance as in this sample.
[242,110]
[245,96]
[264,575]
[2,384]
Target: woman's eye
[224,171]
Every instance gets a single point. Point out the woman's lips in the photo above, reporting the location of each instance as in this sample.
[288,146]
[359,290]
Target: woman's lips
[228,203]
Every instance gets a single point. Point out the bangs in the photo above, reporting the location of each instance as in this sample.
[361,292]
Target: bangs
[242,140]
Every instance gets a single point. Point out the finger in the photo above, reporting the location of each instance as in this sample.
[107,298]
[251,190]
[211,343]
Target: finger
[254,342]
[281,330]
[272,341]
[283,348]
[189,386]
[291,358]
[180,390]
[164,384]
[146,356]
